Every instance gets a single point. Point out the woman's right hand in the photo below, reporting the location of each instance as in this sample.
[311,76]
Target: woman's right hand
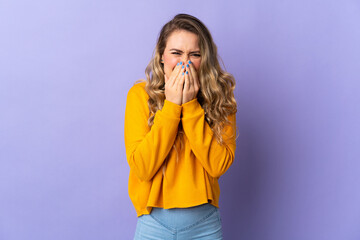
[174,84]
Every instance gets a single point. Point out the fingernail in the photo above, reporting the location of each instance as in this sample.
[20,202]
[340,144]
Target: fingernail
[180,62]
[182,66]
[187,65]
[189,61]
[186,72]
[182,73]
[177,64]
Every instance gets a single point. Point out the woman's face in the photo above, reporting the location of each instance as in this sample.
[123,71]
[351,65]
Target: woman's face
[181,46]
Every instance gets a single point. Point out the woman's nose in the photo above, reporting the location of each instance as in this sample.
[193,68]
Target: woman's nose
[185,59]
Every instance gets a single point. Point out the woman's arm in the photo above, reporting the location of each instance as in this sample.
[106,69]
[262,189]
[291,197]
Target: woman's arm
[215,159]
[147,148]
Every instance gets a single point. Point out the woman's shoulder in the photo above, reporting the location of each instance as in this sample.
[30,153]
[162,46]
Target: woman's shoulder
[139,88]
[138,85]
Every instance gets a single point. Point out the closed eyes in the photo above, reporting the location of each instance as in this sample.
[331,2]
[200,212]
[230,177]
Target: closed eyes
[197,55]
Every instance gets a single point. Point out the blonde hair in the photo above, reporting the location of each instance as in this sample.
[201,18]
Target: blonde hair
[216,93]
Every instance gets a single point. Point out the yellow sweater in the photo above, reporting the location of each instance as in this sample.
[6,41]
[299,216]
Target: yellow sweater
[191,181]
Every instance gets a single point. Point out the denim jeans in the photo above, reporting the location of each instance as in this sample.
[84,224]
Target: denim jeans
[199,222]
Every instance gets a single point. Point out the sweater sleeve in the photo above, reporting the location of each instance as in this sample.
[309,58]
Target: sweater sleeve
[146,149]
[215,158]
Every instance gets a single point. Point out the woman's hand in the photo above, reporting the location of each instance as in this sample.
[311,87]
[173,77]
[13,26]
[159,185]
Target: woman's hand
[192,85]
[174,85]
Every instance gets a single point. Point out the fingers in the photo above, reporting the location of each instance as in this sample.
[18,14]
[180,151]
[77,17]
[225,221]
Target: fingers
[193,73]
[193,76]
[187,84]
[180,81]
[188,79]
[176,74]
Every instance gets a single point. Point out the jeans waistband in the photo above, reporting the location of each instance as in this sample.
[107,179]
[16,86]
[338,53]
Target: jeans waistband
[176,217]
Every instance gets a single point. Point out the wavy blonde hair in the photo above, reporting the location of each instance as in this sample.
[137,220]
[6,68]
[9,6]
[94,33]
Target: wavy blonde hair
[216,93]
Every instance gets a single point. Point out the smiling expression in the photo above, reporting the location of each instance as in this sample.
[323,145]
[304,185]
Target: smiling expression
[181,46]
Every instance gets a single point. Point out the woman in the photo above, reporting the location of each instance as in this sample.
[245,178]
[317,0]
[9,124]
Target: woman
[180,132]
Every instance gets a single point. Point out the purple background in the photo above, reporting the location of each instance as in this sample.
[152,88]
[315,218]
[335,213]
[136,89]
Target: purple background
[66,68]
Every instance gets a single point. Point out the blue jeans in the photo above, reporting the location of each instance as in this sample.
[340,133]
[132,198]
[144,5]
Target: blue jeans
[199,222]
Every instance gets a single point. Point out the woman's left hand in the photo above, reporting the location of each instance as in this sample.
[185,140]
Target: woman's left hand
[191,85]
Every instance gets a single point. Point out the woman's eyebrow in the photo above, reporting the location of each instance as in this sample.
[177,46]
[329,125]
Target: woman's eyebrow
[182,51]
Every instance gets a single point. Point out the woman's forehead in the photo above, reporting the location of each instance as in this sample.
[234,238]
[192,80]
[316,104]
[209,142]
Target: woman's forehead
[183,40]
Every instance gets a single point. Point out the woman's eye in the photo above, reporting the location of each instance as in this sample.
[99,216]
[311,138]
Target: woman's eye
[196,55]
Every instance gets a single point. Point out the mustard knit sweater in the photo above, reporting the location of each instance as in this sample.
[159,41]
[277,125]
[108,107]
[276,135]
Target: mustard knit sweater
[191,181]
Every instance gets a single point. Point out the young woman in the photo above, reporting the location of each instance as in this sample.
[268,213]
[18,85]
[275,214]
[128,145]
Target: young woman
[180,132]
